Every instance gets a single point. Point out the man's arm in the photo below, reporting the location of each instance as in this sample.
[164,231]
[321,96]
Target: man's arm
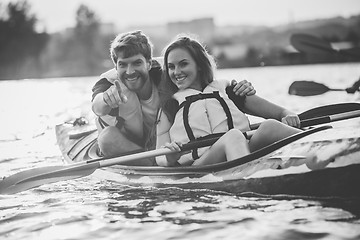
[162,138]
[237,92]
[98,106]
[242,88]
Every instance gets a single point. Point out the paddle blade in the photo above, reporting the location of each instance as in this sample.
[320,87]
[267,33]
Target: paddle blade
[307,88]
[39,176]
[310,44]
[331,109]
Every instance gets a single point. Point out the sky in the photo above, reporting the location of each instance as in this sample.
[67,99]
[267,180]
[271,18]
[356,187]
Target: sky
[56,15]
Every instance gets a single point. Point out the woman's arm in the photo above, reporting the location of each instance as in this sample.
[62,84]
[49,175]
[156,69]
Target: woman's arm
[260,107]
[163,140]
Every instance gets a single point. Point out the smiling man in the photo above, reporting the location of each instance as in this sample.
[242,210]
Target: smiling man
[126,98]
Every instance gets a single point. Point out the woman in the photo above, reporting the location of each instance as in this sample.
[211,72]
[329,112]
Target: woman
[195,105]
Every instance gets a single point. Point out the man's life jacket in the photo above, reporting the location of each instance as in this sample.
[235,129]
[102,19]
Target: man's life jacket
[141,113]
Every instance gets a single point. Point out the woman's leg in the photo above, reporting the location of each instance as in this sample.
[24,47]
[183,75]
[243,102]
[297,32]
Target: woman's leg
[269,132]
[230,146]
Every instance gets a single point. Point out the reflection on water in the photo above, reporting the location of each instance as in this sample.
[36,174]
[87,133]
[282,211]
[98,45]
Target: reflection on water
[92,208]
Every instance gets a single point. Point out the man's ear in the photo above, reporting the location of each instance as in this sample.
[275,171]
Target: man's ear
[149,62]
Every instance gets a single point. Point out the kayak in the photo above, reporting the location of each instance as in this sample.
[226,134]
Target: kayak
[318,162]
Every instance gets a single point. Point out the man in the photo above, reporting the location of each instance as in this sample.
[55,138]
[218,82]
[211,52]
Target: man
[126,99]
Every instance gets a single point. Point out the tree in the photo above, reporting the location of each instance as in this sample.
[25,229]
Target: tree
[87,38]
[78,51]
[20,44]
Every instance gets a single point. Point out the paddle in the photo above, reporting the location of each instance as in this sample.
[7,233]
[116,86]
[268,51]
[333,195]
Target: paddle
[309,88]
[331,109]
[39,176]
[323,111]
[314,45]
[43,175]
[330,118]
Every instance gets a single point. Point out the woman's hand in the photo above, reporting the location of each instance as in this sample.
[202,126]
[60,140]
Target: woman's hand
[243,88]
[174,146]
[291,119]
[172,158]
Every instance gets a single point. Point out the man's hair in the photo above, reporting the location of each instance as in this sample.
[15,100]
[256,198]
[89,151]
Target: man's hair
[130,44]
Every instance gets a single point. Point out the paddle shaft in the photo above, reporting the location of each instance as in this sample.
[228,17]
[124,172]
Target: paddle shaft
[336,89]
[330,118]
[208,141]
[39,176]
[352,112]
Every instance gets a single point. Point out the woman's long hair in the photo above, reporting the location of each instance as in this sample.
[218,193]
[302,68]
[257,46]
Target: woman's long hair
[205,64]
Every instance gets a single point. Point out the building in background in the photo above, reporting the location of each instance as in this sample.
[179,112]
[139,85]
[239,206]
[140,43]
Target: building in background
[203,27]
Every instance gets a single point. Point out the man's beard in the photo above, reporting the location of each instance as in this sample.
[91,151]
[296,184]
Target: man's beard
[137,84]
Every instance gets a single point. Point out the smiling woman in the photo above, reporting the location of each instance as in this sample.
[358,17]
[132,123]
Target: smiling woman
[198,107]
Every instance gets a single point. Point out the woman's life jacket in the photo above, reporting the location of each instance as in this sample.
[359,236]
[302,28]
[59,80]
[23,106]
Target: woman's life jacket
[205,113]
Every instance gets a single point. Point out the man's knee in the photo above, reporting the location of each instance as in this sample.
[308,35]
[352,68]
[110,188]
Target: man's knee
[108,140]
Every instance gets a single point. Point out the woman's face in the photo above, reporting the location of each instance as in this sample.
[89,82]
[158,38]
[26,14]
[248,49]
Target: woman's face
[183,70]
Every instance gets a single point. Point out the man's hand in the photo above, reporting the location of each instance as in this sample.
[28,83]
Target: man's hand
[114,97]
[243,88]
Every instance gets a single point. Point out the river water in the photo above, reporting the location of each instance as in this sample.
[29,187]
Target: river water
[91,208]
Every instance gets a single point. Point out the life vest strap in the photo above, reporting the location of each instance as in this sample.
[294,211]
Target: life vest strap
[193,98]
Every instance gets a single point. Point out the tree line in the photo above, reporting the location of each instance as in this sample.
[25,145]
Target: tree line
[27,53]
[20,45]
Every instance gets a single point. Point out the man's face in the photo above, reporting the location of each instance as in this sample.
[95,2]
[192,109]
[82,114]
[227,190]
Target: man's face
[133,71]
